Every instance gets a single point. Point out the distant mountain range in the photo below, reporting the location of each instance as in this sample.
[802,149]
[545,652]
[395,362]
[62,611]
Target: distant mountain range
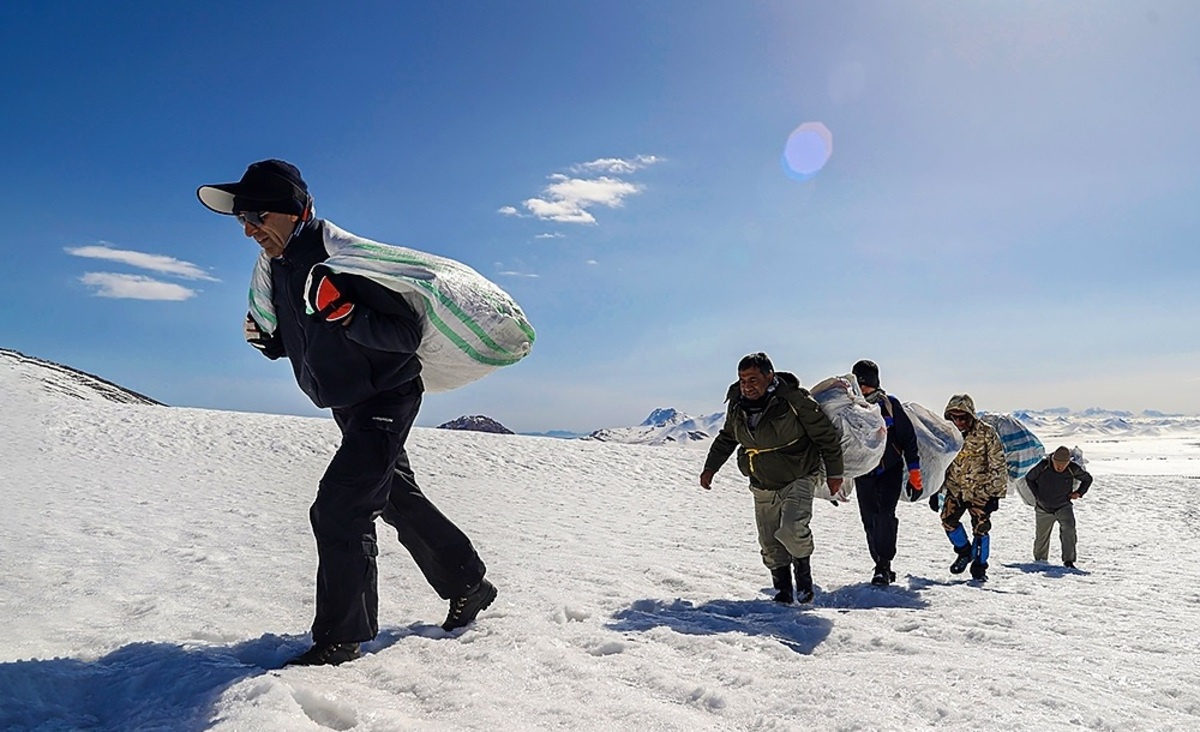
[664,426]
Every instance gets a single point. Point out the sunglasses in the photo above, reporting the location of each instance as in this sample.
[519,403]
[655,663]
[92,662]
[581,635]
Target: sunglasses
[254,218]
[959,417]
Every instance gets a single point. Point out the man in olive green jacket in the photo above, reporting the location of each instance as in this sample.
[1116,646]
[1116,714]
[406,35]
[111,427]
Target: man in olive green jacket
[782,438]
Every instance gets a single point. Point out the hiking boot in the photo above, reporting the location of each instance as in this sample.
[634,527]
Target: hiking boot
[1069,565]
[327,654]
[804,584]
[464,609]
[781,580]
[979,571]
[883,575]
[961,562]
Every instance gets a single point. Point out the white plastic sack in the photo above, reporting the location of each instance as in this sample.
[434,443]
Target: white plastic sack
[860,424]
[470,326]
[938,442]
[1022,450]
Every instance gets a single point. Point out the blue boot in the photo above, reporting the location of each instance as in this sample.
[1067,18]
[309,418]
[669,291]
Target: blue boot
[958,538]
[979,553]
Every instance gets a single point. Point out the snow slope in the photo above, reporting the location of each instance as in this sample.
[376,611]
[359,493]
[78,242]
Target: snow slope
[158,568]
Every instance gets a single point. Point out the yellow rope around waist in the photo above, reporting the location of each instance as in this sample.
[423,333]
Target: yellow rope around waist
[752,451]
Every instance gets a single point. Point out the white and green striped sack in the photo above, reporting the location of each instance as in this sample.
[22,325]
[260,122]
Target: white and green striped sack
[470,326]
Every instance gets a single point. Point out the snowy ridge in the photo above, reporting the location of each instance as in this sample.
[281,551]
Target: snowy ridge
[54,378]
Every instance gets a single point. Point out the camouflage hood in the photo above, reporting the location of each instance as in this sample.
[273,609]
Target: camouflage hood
[960,403]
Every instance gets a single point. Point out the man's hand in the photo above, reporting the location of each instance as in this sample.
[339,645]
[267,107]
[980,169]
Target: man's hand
[1075,495]
[933,502]
[255,335]
[992,505]
[914,483]
[706,479]
[835,487]
[327,301]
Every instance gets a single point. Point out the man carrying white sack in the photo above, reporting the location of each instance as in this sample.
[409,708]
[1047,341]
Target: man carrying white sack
[878,492]
[975,482]
[352,344]
[782,440]
[1053,484]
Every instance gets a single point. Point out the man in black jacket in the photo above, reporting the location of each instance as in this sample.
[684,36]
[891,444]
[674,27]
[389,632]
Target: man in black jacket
[352,345]
[1053,484]
[879,491]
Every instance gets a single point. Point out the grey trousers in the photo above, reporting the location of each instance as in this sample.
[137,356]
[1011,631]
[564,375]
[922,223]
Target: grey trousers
[1065,518]
[782,518]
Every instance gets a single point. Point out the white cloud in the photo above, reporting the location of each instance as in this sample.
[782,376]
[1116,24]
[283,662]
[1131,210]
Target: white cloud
[616,166]
[514,273]
[551,235]
[153,262]
[568,198]
[134,287]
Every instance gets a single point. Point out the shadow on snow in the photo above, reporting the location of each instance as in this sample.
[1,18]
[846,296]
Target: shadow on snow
[148,686]
[789,624]
[1045,568]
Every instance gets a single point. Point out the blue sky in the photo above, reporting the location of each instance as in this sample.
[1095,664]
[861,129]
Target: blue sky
[1009,208]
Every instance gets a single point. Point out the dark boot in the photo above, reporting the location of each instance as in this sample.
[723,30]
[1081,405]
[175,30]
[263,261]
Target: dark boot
[980,549]
[328,654]
[958,538]
[964,558]
[781,579]
[464,609]
[883,574]
[804,585]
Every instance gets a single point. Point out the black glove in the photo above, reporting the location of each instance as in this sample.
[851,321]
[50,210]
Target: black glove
[933,502]
[325,296]
[270,345]
[992,505]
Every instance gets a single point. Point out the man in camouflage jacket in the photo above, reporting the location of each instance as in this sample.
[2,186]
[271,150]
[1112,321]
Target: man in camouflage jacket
[975,482]
[782,439]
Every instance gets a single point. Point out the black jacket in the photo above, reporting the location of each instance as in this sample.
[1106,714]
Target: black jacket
[337,365]
[1051,488]
[901,449]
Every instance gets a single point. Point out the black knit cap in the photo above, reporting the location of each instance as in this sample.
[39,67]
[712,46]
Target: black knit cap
[867,373]
[268,185]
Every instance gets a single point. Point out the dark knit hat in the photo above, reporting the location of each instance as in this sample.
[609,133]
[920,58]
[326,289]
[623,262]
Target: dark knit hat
[268,185]
[1062,455]
[867,373]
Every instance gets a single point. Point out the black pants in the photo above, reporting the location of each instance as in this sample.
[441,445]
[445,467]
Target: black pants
[878,494]
[369,477]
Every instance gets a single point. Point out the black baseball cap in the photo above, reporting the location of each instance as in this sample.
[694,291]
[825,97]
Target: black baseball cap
[268,185]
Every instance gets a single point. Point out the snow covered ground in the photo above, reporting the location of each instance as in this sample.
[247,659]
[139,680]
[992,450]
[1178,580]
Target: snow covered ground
[158,568]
